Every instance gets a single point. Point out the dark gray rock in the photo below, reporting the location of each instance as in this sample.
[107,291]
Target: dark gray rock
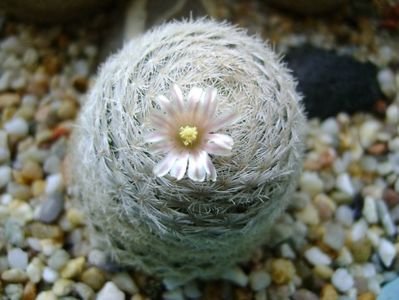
[332,83]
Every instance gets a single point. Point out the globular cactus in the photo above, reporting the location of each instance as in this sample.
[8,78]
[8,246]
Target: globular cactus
[198,224]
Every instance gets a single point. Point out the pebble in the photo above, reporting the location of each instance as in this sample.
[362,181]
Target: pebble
[385,217]
[110,291]
[52,165]
[17,127]
[51,208]
[95,278]
[29,291]
[73,268]
[125,283]
[13,291]
[49,275]
[392,114]
[44,231]
[31,171]
[370,210]
[17,259]
[317,257]
[334,236]
[58,259]
[9,99]
[329,293]
[344,258]
[282,271]
[46,295]
[237,276]
[361,250]
[14,275]
[54,184]
[35,270]
[259,280]
[359,230]
[344,184]
[368,132]
[97,257]
[309,215]
[386,79]
[176,294]
[344,215]
[303,294]
[323,271]
[342,280]
[311,183]
[366,296]
[83,291]
[5,176]
[387,252]
[62,287]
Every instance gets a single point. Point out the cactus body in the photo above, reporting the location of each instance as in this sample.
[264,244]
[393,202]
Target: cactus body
[185,228]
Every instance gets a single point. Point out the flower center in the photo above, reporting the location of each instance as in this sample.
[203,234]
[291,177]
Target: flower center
[188,134]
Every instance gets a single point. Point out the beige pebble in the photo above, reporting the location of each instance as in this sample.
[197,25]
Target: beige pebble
[309,215]
[94,278]
[46,295]
[73,268]
[75,217]
[62,287]
[282,271]
[367,296]
[322,271]
[9,99]
[45,231]
[38,187]
[329,293]
[14,275]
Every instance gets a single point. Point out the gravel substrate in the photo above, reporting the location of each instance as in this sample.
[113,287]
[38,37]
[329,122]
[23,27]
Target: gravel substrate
[338,239]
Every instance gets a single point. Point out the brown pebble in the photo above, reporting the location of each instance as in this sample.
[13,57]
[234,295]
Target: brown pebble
[9,99]
[378,149]
[80,83]
[52,64]
[366,296]
[328,293]
[29,291]
[283,271]
[31,171]
[391,197]
[242,294]
[361,250]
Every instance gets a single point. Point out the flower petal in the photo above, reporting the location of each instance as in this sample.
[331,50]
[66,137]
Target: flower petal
[159,121]
[155,137]
[194,98]
[215,149]
[209,105]
[196,168]
[178,95]
[164,166]
[224,120]
[180,166]
[161,147]
[222,140]
[209,167]
[165,104]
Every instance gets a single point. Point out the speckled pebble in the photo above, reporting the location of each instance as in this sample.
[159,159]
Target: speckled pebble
[282,271]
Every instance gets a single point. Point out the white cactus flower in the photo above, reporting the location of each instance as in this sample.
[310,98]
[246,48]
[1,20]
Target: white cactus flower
[187,134]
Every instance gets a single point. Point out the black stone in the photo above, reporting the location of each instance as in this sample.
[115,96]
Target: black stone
[332,83]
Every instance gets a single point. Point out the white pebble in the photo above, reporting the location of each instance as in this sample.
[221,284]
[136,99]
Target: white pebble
[368,132]
[359,230]
[5,176]
[110,291]
[17,259]
[344,184]
[392,114]
[317,257]
[387,252]
[310,182]
[49,275]
[384,168]
[386,79]
[393,145]
[259,280]
[344,258]
[344,215]
[237,276]
[54,184]
[47,295]
[17,127]
[370,210]
[342,280]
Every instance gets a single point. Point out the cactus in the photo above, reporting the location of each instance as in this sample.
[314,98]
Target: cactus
[181,227]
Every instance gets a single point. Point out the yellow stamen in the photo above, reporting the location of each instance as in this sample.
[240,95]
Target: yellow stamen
[188,134]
